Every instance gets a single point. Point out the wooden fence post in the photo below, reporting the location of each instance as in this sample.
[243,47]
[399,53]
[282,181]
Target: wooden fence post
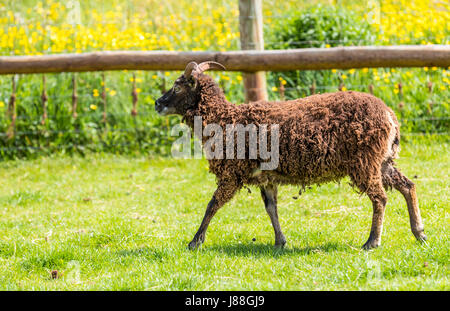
[104,98]
[74,97]
[12,110]
[281,89]
[134,96]
[44,99]
[312,89]
[430,86]
[251,32]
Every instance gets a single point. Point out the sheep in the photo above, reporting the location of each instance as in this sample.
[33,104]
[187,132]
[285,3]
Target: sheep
[322,138]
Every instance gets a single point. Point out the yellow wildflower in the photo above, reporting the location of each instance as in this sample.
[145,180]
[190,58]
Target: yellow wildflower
[93,107]
[112,93]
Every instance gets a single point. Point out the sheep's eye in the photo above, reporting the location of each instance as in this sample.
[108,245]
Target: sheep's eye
[177,89]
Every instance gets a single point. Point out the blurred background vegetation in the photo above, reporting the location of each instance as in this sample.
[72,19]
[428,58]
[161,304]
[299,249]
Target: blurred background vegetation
[419,96]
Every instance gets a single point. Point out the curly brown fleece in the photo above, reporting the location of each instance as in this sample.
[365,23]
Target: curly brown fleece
[323,137]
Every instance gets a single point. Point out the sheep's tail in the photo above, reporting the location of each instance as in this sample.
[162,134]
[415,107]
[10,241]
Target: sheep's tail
[394,136]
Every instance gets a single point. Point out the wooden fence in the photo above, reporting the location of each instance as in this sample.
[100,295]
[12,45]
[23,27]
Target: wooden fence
[245,60]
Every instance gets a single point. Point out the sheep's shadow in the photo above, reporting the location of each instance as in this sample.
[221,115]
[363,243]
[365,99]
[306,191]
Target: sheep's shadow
[263,250]
[250,249]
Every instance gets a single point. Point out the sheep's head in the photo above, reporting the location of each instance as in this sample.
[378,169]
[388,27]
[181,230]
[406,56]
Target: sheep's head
[184,94]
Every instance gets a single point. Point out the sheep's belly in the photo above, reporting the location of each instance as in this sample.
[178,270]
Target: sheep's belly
[260,177]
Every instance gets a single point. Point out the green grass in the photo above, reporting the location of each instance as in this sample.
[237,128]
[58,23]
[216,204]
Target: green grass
[123,223]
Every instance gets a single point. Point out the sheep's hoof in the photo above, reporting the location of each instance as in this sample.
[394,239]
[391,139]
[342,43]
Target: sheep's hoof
[371,244]
[279,243]
[194,244]
[279,246]
[420,236]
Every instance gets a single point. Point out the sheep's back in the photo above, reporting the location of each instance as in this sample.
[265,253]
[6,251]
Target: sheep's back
[324,136]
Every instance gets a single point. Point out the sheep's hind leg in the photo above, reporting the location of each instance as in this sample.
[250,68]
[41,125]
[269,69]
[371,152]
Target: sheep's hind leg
[378,197]
[269,195]
[223,194]
[392,177]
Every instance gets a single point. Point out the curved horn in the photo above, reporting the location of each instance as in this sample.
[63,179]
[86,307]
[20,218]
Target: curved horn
[189,68]
[209,65]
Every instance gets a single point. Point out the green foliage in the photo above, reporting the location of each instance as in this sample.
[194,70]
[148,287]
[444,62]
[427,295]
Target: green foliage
[123,133]
[317,26]
[320,26]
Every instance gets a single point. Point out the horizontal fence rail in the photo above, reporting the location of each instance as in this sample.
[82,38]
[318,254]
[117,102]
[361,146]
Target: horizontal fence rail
[245,61]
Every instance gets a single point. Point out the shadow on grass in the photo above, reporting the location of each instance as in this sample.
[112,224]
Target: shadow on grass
[244,250]
[264,250]
[151,254]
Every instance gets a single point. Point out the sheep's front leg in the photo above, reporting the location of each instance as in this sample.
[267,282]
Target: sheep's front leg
[224,193]
[199,237]
[269,195]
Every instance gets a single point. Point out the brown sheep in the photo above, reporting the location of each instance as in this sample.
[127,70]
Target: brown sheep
[322,138]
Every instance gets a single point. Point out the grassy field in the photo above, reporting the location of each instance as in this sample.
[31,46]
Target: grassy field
[109,222]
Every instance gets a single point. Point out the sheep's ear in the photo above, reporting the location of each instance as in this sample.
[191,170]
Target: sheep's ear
[192,82]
